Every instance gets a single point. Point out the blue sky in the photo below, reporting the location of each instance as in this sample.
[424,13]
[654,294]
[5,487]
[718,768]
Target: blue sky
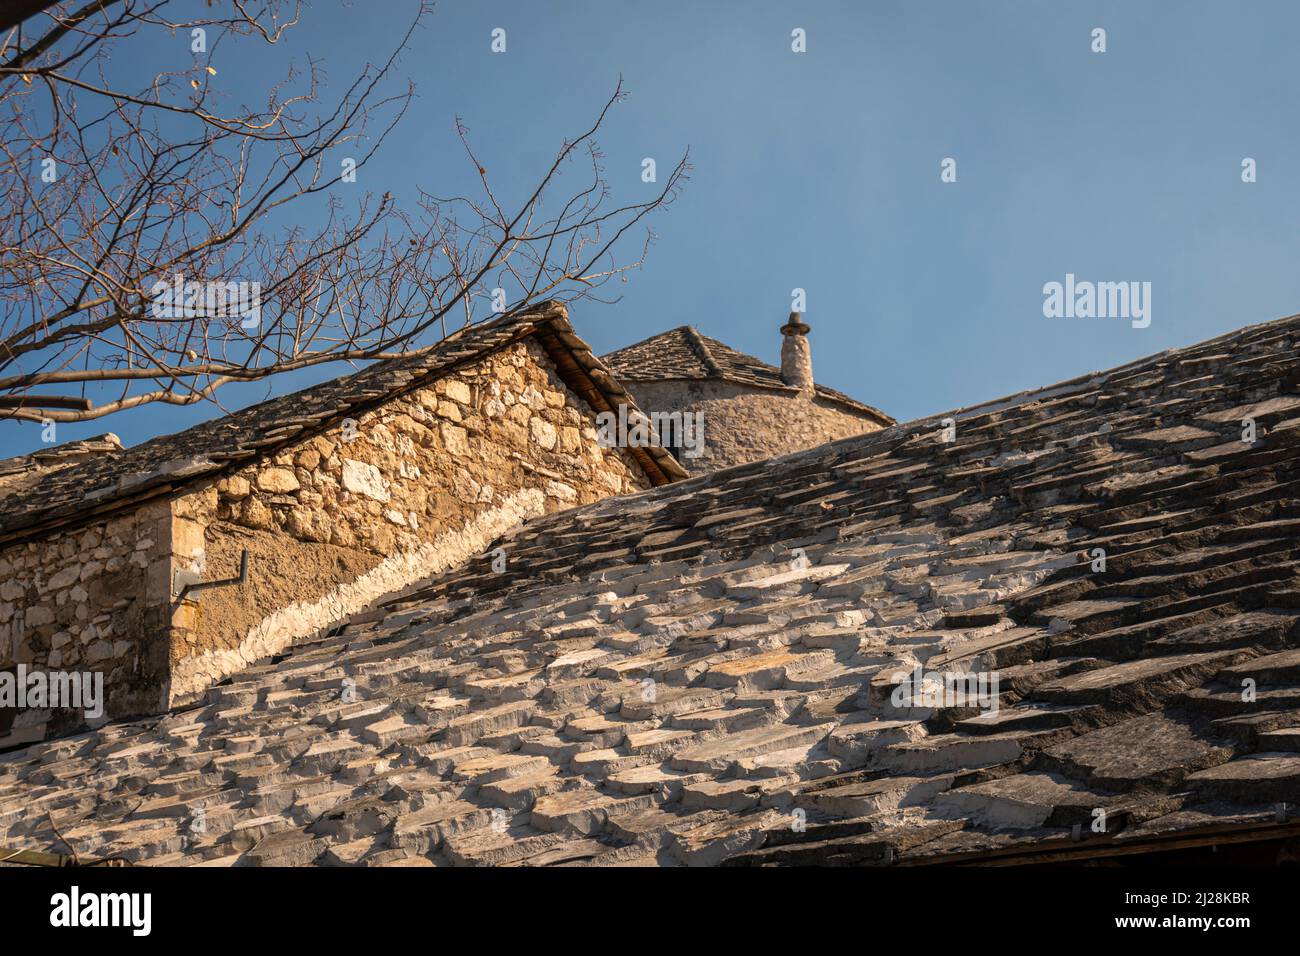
[821,171]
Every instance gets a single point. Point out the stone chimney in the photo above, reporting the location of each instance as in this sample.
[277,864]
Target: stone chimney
[796,356]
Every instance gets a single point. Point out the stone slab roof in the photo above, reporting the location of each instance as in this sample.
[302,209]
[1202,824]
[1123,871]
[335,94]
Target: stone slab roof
[705,672]
[36,500]
[684,354]
[23,472]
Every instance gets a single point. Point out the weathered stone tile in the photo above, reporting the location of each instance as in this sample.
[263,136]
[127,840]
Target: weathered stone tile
[950,752]
[860,798]
[493,767]
[583,811]
[520,793]
[1257,778]
[709,843]
[494,847]
[860,737]
[469,728]
[1148,681]
[722,753]
[424,830]
[876,847]
[1024,801]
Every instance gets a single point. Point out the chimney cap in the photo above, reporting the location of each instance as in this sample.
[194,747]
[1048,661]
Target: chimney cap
[795,325]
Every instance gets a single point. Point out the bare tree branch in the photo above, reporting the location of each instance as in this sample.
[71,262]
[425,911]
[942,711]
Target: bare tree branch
[144,256]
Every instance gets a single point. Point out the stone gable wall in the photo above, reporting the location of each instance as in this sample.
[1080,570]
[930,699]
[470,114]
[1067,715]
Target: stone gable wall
[744,424]
[366,509]
[372,507]
[81,600]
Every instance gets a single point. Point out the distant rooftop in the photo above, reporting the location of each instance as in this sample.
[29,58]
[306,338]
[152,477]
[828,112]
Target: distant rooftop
[684,354]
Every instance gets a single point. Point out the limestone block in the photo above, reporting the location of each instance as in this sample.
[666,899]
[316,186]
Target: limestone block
[455,439]
[39,616]
[542,433]
[456,390]
[565,493]
[67,576]
[187,537]
[363,478]
[381,539]
[200,504]
[99,651]
[255,514]
[158,579]
[570,440]
[464,486]
[24,651]
[277,481]
[308,525]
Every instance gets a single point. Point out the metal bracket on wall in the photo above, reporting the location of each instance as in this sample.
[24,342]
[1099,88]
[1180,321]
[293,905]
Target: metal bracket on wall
[193,586]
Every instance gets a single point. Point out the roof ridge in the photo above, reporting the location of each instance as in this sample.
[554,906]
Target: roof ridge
[718,361]
[702,350]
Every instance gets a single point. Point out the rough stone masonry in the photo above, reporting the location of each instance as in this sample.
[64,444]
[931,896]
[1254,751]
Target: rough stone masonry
[365,504]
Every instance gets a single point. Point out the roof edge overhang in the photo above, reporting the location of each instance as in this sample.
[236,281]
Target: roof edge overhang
[583,371]
[1068,850]
[547,321]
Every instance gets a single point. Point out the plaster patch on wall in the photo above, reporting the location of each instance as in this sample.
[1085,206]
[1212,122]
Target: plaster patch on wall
[193,675]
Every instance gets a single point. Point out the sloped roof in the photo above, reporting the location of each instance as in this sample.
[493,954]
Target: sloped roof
[115,478]
[666,677]
[23,471]
[684,354]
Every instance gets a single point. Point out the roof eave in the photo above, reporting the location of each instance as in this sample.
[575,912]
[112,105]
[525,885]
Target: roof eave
[584,372]
[547,320]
